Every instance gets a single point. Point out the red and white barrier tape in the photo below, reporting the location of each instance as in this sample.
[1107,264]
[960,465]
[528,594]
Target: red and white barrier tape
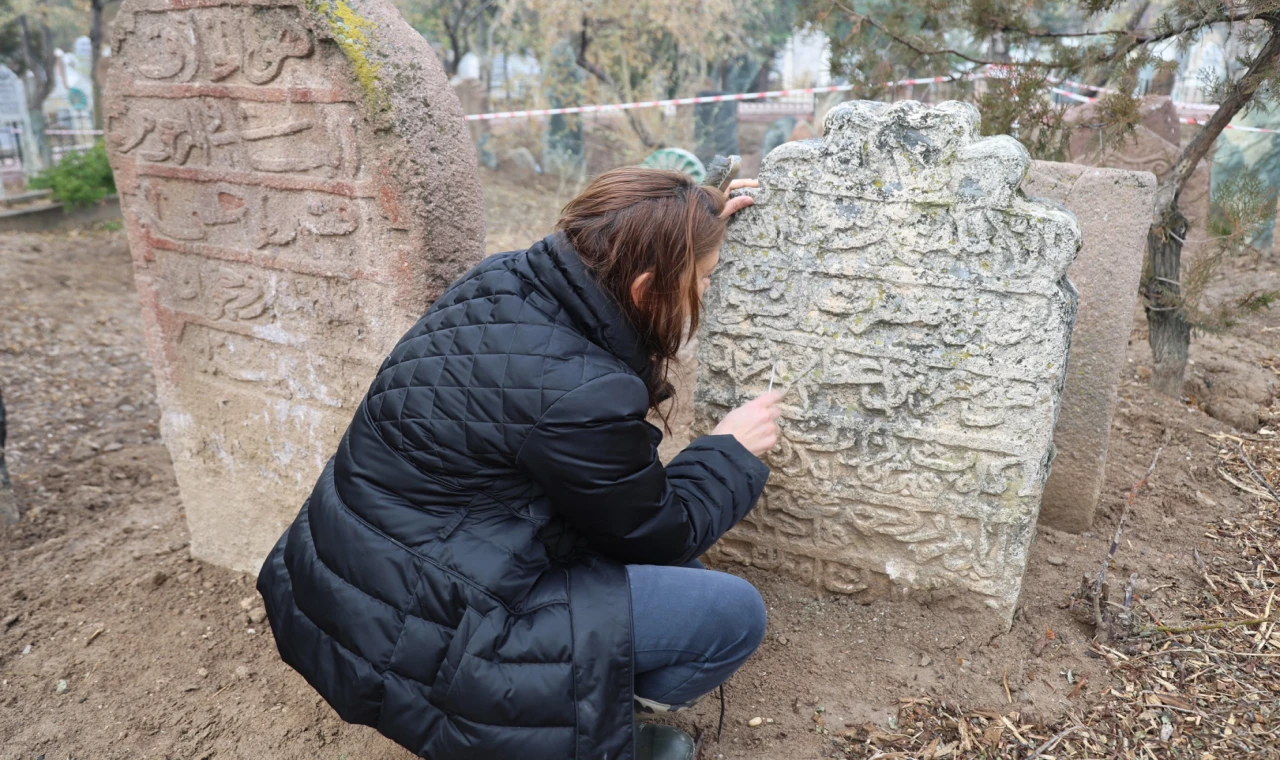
[772,94]
[1181,106]
[695,100]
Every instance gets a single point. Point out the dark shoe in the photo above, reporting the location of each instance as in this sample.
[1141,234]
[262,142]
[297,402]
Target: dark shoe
[655,741]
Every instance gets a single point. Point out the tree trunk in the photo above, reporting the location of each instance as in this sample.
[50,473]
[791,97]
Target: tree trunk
[44,73]
[8,502]
[95,44]
[1168,331]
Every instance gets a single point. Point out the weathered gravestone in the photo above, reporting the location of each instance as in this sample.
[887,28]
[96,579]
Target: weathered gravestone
[916,307]
[1113,208]
[298,185]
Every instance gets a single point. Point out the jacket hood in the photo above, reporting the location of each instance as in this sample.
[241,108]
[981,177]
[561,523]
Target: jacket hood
[568,281]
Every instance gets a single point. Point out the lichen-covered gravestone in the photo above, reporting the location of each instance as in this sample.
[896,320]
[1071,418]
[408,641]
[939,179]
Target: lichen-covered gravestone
[298,185]
[917,310]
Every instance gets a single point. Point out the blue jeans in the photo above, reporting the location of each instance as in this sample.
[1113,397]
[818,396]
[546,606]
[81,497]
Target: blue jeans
[692,629]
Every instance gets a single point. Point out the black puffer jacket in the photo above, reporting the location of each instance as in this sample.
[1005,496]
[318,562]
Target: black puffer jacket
[456,578]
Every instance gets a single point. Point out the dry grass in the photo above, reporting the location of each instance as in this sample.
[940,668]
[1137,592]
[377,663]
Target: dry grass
[1200,681]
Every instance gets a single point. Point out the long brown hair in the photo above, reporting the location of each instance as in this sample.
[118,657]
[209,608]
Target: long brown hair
[631,221]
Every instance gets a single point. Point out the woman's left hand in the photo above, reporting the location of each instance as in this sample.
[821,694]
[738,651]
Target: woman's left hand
[734,205]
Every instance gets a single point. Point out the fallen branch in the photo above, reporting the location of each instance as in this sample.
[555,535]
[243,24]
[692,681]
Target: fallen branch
[1259,478]
[1208,626]
[1048,745]
[1096,593]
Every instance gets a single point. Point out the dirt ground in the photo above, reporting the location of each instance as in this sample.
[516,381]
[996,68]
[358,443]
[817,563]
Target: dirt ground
[114,643]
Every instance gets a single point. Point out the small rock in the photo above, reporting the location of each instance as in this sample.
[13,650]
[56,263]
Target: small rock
[61,687]
[248,603]
[1056,561]
[157,579]
[10,620]
[753,722]
[26,649]
[257,615]
[925,660]
[242,672]
[203,673]
[1143,373]
[113,446]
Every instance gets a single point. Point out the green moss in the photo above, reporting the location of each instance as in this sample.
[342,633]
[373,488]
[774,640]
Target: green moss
[354,35]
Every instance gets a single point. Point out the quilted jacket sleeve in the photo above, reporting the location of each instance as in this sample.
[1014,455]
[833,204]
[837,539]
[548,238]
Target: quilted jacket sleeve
[595,456]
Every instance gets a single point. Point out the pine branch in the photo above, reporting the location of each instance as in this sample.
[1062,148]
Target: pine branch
[1128,33]
[1261,68]
[927,52]
[1149,36]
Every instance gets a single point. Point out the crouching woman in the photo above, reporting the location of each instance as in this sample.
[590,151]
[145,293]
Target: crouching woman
[495,564]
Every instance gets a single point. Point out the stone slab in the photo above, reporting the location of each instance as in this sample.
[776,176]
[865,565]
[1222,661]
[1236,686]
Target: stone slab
[1153,147]
[1114,209]
[917,310]
[298,186]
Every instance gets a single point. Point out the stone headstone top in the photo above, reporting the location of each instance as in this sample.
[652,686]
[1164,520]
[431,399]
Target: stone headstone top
[915,306]
[298,186]
[13,101]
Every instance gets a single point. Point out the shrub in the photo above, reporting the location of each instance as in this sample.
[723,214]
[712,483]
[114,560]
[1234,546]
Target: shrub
[79,179]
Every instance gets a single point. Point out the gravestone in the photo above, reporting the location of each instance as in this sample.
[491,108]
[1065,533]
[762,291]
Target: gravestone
[564,147]
[17,139]
[1153,147]
[715,128]
[916,309]
[778,133]
[298,186]
[1113,208]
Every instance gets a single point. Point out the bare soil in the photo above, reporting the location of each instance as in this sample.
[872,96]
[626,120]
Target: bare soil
[114,643]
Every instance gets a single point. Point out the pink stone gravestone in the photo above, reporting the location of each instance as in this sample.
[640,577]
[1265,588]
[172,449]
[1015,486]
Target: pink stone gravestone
[298,186]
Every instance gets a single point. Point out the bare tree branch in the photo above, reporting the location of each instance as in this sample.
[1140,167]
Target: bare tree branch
[584,39]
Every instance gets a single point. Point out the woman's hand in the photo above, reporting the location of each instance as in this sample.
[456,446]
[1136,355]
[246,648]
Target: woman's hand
[754,424]
[734,205]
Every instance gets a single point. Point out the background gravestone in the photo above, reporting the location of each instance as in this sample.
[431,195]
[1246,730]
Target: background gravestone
[715,128]
[298,186]
[915,304]
[564,147]
[1114,210]
[1153,147]
[777,134]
